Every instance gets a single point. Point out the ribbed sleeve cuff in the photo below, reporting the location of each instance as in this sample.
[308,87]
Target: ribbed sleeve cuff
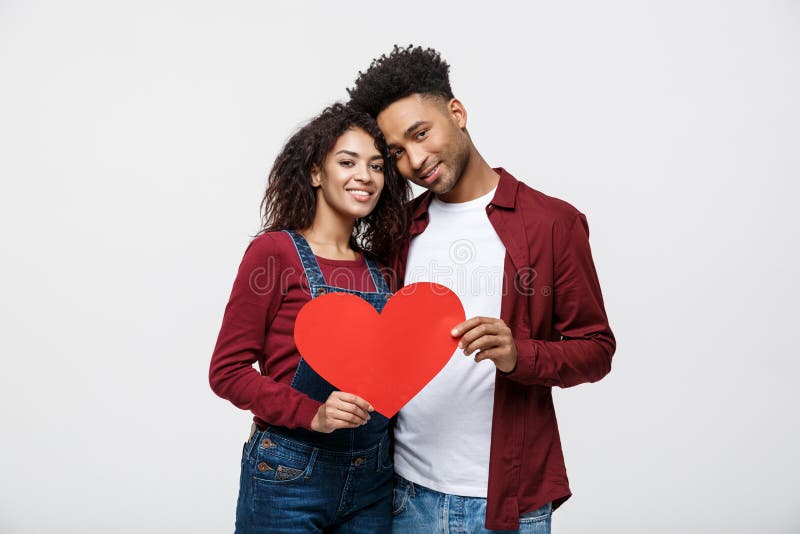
[306,411]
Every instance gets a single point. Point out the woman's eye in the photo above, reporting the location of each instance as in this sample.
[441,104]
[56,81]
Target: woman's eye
[377,167]
[346,163]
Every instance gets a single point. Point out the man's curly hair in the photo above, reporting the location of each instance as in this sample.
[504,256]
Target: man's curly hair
[405,71]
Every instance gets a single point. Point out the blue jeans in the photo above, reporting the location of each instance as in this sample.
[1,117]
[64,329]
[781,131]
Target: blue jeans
[419,509]
[287,486]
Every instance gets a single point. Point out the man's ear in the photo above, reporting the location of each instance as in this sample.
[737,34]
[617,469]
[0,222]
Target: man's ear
[316,176]
[458,112]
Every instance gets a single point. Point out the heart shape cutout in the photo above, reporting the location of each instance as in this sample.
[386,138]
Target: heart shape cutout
[384,358]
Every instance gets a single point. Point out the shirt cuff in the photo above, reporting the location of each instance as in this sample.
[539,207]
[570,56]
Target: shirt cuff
[526,359]
[306,411]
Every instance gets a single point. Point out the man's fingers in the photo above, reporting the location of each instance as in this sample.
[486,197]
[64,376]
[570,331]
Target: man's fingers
[483,342]
[469,324]
[488,354]
[481,330]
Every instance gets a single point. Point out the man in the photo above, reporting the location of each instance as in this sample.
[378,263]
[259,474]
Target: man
[478,447]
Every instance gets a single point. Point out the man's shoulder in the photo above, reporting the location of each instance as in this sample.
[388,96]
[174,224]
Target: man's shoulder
[535,203]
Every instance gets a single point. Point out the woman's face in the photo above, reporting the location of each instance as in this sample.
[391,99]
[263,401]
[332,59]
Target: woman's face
[351,177]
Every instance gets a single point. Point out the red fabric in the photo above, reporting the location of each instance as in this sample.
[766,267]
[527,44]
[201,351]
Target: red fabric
[553,305]
[258,326]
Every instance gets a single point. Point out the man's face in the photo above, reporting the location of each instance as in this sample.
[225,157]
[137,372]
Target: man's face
[427,137]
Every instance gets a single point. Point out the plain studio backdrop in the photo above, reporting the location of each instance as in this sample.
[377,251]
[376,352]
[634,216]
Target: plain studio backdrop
[134,143]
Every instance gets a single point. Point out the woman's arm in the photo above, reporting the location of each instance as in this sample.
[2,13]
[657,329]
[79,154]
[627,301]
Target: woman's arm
[254,301]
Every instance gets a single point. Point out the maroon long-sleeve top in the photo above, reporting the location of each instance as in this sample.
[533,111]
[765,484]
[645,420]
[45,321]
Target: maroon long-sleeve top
[258,327]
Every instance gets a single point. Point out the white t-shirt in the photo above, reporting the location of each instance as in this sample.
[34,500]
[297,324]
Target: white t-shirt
[442,436]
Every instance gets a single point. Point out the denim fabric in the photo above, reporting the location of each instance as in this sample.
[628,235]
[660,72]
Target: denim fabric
[418,509]
[316,387]
[287,486]
[300,481]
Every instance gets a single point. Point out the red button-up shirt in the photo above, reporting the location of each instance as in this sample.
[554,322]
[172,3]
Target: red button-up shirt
[553,305]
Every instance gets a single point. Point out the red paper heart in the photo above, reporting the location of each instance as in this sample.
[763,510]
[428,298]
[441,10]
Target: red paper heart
[384,358]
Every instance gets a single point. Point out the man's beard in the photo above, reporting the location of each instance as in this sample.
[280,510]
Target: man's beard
[455,163]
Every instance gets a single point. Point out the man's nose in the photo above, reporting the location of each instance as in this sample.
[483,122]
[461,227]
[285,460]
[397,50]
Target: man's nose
[416,158]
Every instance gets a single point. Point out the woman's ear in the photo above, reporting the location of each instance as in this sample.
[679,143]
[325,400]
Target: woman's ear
[316,176]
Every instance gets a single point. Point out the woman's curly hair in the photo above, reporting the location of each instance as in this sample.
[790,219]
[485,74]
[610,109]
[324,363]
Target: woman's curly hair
[290,200]
[403,72]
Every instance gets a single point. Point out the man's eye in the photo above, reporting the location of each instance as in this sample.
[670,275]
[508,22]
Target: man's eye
[422,134]
[397,153]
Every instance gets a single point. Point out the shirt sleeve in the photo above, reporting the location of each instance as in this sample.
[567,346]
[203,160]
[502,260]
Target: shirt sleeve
[252,306]
[584,352]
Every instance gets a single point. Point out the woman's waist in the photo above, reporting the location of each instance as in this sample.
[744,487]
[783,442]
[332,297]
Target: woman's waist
[340,447]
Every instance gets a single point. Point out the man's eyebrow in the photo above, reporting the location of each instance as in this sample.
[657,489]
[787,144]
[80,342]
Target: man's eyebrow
[408,132]
[413,127]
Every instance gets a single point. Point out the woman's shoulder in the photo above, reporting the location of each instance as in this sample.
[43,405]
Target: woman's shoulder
[275,244]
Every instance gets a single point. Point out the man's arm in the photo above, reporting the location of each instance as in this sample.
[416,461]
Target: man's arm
[587,345]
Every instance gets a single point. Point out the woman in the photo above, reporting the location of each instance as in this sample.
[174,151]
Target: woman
[317,459]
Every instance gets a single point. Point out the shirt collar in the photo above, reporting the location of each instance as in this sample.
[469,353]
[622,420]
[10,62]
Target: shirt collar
[504,197]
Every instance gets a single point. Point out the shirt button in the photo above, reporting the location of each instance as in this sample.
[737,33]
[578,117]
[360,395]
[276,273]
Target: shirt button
[267,443]
[264,467]
[358,461]
[320,291]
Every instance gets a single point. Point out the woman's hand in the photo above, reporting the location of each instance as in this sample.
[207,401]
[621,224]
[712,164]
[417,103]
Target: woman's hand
[341,410]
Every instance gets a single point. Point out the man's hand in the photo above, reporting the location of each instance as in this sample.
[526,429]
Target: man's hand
[492,338]
[341,410]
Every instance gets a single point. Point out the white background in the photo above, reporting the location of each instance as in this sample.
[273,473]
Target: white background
[134,143]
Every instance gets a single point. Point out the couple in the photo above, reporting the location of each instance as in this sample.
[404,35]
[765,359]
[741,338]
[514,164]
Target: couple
[477,450]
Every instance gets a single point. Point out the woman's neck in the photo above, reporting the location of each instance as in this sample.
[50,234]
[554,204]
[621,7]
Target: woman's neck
[329,236]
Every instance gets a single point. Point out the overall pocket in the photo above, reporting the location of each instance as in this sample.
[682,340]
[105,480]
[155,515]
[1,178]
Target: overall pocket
[275,464]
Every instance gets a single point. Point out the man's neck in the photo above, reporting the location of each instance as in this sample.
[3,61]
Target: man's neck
[477,179]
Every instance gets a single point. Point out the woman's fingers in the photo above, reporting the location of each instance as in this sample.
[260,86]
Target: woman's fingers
[351,404]
[353,399]
[346,417]
[353,412]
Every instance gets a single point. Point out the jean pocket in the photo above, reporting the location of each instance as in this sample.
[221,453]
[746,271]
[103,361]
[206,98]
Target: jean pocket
[400,493]
[535,516]
[385,460]
[273,464]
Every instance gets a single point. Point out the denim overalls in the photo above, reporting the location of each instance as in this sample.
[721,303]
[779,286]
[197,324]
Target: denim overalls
[298,480]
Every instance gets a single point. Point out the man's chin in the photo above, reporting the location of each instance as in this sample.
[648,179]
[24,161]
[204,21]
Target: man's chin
[440,187]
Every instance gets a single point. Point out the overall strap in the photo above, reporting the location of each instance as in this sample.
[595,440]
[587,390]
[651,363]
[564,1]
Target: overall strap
[377,277]
[310,265]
